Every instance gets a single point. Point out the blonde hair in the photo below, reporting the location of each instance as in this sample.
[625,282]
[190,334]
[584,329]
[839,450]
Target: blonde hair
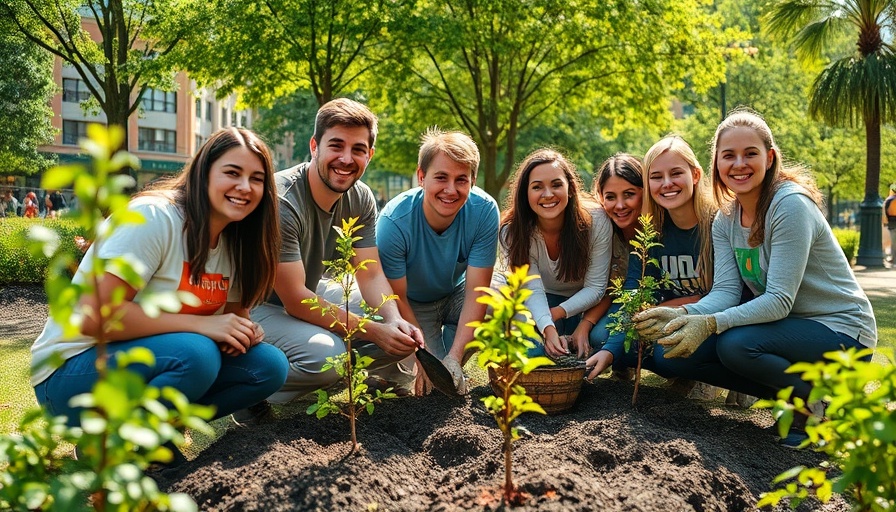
[456,145]
[775,175]
[704,206]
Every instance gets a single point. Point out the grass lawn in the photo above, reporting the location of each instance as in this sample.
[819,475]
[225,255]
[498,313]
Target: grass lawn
[16,394]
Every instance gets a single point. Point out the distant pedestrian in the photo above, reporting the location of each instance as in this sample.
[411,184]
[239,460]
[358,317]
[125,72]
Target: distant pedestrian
[890,220]
[9,205]
[31,206]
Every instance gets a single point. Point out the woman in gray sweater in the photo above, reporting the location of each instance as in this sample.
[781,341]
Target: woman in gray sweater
[772,238]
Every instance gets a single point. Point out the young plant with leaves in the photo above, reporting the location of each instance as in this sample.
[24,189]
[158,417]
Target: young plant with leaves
[125,425]
[639,299]
[350,365]
[858,433]
[503,340]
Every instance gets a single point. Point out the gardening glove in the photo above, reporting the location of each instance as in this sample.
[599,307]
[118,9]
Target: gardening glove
[650,323]
[686,333]
[457,374]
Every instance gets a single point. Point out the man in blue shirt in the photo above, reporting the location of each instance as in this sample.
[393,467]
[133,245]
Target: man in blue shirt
[437,244]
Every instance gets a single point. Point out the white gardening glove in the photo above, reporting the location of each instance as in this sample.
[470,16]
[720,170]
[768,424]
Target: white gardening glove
[686,333]
[650,323]
[457,374]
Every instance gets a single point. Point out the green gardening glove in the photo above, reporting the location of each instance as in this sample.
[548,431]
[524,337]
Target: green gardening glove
[686,333]
[650,323]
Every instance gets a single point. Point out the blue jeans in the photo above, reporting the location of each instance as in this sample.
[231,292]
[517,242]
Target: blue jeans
[189,362]
[761,352]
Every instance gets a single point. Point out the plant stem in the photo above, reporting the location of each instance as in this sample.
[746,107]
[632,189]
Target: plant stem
[508,445]
[349,377]
[638,372]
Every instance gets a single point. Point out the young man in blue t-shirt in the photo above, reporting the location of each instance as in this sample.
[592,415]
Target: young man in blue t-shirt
[437,244]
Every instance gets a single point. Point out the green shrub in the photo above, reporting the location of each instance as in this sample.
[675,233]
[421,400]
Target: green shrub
[849,242]
[18,265]
[858,433]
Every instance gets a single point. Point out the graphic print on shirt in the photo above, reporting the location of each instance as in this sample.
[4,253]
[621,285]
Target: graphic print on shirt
[682,270]
[211,292]
[749,264]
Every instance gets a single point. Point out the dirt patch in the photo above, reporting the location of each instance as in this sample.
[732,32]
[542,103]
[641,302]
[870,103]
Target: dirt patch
[433,453]
[23,311]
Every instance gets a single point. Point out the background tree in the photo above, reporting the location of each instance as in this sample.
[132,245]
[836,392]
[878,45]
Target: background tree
[129,57]
[26,87]
[859,87]
[494,68]
[282,46]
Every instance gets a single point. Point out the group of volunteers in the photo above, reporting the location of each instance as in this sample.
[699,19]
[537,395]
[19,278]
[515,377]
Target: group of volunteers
[757,280]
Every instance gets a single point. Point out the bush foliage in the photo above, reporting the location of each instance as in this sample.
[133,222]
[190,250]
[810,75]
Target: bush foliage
[18,265]
[849,242]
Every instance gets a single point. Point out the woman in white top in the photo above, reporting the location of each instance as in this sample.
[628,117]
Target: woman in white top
[556,227]
[211,231]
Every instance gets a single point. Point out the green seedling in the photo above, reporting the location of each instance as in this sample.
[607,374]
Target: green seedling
[640,299]
[503,340]
[350,365]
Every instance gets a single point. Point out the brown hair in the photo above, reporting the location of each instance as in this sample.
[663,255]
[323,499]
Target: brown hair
[775,175]
[344,112]
[518,221]
[254,242]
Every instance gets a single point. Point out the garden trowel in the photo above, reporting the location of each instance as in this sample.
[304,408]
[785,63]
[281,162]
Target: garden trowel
[439,375]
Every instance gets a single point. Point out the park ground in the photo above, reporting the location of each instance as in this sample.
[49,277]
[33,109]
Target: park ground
[433,453]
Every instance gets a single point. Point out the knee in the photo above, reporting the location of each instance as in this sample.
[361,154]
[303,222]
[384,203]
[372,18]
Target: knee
[195,357]
[271,364]
[733,347]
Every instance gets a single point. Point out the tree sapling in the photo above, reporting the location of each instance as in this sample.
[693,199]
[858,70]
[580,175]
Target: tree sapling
[503,340]
[350,365]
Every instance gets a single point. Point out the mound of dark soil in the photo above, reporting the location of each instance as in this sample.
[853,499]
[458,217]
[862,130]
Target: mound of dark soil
[434,453]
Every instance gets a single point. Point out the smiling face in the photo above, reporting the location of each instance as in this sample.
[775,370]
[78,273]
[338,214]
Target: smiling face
[671,181]
[446,187]
[235,187]
[742,161]
[342,156]
[548,192]
[622,201]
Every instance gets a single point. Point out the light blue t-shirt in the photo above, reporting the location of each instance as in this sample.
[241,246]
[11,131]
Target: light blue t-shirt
[433,263]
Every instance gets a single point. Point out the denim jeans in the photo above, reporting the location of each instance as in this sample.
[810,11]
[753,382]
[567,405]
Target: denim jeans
[761,352]
[189,362]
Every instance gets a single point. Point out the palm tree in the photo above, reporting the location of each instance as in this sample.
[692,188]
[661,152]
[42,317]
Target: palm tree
[858,87]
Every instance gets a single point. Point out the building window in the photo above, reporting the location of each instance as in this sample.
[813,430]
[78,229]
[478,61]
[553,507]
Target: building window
[74,90]
[160,101]
[243,121]
[73,131]
[223,116]
[208,111]
[198,109]
[157,139]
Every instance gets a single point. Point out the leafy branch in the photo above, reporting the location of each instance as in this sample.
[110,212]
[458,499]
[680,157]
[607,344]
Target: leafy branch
[639,299]
[350,365]
[503,340]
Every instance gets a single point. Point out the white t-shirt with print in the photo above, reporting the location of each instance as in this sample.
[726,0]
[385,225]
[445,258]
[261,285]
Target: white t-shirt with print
[159,246]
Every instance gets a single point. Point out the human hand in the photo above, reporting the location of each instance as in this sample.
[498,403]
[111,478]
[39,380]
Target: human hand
[650,323]
[457,374]
[686,333]
[599,362]
[259,333]
[233,333]
[389,337]
[578,341]
[554,346]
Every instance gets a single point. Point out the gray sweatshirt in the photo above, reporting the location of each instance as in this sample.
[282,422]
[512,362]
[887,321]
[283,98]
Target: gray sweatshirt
[797,271]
